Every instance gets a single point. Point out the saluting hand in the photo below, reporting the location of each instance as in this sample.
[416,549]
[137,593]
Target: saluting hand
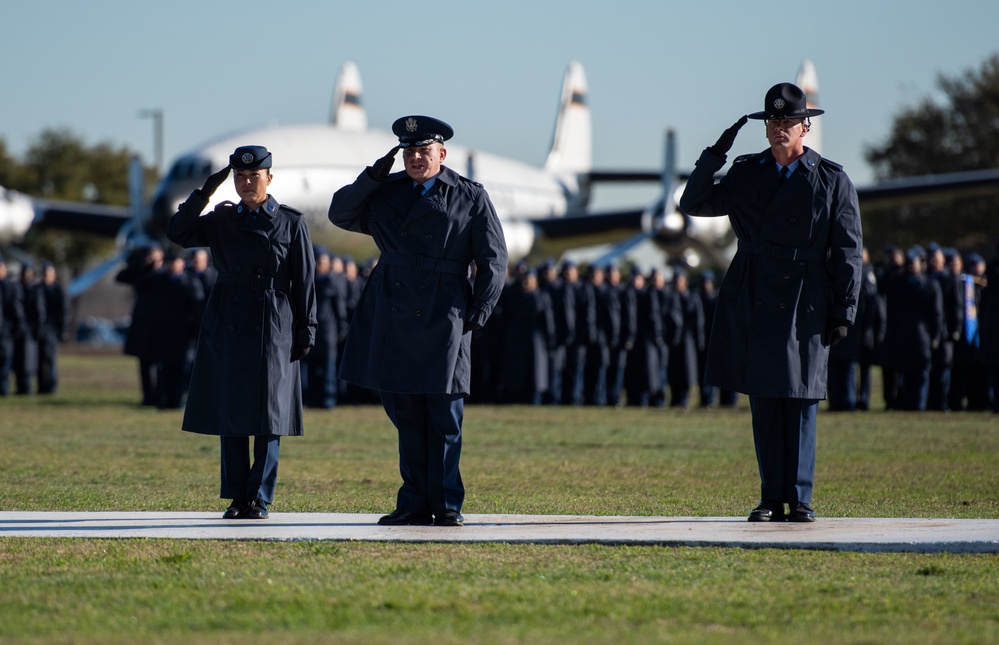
[725,141]
[213,182]
[379,170]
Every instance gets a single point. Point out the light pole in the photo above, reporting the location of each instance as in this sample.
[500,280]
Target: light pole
[156,115]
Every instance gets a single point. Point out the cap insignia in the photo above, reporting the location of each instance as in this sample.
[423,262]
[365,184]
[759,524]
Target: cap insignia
[411,125]
[779,104]
[247,157]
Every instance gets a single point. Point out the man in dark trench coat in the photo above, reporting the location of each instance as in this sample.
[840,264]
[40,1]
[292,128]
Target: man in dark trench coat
[260,320]
[790,292]
[410,335]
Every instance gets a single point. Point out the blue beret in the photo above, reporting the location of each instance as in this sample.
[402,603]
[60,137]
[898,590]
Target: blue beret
[975,258]
[415,131]
[933,247]
[250,158]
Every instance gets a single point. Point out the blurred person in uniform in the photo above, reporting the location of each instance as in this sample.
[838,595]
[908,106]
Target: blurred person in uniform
[892,265]
[642,377]
[410,337]
[319,382]
[870,326]
[979,386]
[32,298]
[564,310]
[583,332]
[707,290]
[968,340]
[670,327]
[11,322]
[942,357]
[914,323]
[606,330]
[528,327]
[687,342]
[790,292]
[54,329]
[623,340]
[260,321]
[140,272]
[177,310]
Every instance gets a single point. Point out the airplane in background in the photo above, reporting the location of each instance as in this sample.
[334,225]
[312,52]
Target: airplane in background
[542,210]
[313,161]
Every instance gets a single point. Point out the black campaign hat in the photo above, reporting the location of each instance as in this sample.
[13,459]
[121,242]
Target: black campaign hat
[785,101]
[414,131]
[250,158]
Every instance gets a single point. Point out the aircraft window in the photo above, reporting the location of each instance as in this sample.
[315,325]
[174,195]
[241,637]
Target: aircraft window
[190,168]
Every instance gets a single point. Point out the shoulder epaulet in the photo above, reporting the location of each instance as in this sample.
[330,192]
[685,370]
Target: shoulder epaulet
[831,164]
[291,210]
[742,158]
[469,181]
[226,205]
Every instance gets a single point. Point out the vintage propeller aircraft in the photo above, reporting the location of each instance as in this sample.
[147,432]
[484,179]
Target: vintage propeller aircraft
[543,210]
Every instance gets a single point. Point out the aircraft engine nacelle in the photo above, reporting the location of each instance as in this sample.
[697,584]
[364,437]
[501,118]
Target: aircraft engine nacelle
[519,237]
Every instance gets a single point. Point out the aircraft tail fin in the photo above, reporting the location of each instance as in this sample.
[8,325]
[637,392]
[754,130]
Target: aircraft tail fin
[347,112]
[572,145]
[808,81]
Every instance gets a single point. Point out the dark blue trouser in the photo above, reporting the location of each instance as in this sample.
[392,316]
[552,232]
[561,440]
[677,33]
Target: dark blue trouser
[429,428]
[240,480]
[784,434]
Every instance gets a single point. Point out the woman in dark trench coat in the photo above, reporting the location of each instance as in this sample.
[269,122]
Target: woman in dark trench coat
[259,321]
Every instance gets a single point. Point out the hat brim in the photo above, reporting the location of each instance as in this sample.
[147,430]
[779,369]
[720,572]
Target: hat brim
[767,116]
[422,142]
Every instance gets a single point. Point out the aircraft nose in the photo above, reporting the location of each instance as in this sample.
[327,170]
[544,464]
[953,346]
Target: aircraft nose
[164,205]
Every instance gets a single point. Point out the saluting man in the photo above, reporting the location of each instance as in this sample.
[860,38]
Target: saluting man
[260,320]
[410,335]
[790,292]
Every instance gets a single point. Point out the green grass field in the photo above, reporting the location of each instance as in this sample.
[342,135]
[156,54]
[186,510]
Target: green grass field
[91,447]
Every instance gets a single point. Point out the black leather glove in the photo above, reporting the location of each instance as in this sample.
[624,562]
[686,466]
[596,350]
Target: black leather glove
[379,170]
[468,326]
[727,138]
[298,352]
[213,182]
[835,331]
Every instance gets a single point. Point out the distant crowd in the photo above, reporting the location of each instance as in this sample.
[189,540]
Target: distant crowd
[563,334]
[34,319]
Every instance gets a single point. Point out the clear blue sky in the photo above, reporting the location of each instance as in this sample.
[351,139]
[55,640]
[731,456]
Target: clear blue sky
[491,69]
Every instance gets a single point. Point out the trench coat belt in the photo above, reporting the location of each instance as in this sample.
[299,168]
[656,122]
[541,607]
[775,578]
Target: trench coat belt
[255,281]
[421,263]
[769,250]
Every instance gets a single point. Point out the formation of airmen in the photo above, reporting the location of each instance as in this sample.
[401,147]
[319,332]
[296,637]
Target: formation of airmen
[34,319]
[562,334]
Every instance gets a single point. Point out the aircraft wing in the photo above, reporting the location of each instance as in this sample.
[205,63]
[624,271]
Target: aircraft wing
[99,219]
[929,188]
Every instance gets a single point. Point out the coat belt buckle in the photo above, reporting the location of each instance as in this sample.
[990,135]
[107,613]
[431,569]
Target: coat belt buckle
[255,281]
[419,262]
[766,249]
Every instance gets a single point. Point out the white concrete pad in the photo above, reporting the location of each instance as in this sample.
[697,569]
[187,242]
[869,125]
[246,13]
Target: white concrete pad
[828,533]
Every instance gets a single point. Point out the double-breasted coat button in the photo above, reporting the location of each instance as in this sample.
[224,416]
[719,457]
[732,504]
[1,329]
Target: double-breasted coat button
[398,284]
[418,313]
[423,287]
[395,309]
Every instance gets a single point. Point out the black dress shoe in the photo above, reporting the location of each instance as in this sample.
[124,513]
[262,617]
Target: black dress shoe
[801,513]
[399,517]
[768,511]
[449,518]
[237,507]
[256,510]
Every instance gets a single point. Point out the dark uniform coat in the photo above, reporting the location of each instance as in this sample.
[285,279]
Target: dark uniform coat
[798,266]
[263,302]
[407,332]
